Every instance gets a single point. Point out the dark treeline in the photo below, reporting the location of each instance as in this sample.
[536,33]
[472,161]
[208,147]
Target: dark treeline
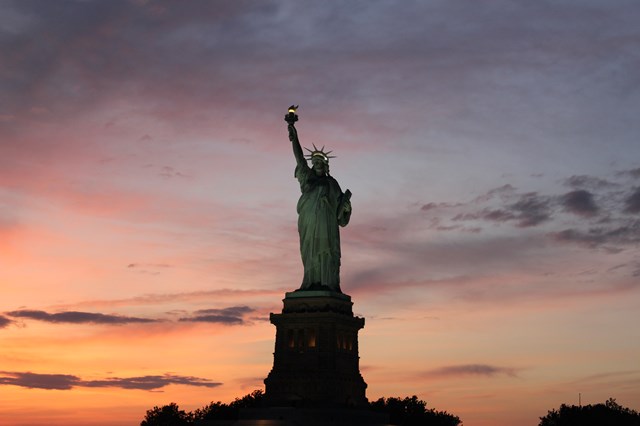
[409,411]
[172,415]
[413,412]
[608,413]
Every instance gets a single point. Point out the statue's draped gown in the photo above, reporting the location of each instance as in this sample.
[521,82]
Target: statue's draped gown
[318,228]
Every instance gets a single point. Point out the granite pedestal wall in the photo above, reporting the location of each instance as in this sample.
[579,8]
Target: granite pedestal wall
[316,361]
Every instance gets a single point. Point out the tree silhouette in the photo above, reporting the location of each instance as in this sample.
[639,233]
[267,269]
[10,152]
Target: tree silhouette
[168,415]
[609,413]
[408,411]
[413,412]
[171,415]
[251,400]
[221,411]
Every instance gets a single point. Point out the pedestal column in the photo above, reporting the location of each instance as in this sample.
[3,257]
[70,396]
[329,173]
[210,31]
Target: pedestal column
[316,359]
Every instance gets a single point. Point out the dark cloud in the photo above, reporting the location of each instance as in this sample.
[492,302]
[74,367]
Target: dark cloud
[39,381]
[75,317]
[601,236]
[470,370]
[233,315]
[4,321]
[232,310]
[580,202]
[632,203]
[633,173]
[429,206]
[433,206]
[486,214]
[503,192]
[149,382]
[66,381]
[148,268]
[530,210]
[169,172]
[152,265]
[600,213]
[219,319]
[590,182]
[497,215]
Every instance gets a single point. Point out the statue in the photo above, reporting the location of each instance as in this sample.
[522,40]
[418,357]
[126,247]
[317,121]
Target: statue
[322,207]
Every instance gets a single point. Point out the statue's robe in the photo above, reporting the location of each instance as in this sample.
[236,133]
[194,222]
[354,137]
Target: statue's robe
[318,223]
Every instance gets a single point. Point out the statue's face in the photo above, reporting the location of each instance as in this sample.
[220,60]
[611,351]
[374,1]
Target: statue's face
[319,166]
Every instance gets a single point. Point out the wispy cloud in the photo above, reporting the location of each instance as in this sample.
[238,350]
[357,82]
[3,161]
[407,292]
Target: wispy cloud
[67,381]
[233,315]
[471,370]
[598,211]
[4,321]
[75,317]
[191,296]
[529,210]
[588,182]
[608,237]
[580,202]
[633,173]
[632,202]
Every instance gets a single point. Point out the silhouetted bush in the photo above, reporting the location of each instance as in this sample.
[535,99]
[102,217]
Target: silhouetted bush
[609,413]
[168,415]
[171,415]
[413,412]
[214,411]
[405,412]
[251,400]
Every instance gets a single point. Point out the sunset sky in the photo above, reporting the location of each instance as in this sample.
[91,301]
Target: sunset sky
[148,203]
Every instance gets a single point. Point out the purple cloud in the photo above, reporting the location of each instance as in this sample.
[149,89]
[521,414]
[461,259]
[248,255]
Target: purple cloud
[4,321]
[585,181]
[595,237]
[580,202]
[634,173]
[74,317]
[470,370]
[149,382]
[39,381]
[632,203]
[67,381]
[233,315]
[532,209]
[529,210]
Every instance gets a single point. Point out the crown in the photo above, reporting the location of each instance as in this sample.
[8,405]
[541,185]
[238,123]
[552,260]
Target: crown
[319,153]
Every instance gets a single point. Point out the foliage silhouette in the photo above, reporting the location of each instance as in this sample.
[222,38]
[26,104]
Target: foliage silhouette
[408,411]
[609,413]
[168,415]
[413,412]
[171,415]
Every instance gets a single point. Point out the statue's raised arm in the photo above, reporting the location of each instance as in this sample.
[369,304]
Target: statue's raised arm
[291,118]
[322,209]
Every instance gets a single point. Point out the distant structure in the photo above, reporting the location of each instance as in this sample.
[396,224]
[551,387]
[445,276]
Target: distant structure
[316,377]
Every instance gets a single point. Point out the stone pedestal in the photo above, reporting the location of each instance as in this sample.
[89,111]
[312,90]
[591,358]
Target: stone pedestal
[316,362]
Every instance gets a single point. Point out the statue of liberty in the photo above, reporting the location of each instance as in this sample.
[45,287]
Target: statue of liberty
[322,207]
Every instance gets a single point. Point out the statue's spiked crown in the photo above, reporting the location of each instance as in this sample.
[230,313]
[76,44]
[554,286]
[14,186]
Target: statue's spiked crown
[319,153]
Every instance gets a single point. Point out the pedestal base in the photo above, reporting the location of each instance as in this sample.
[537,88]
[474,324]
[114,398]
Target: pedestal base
[316,361]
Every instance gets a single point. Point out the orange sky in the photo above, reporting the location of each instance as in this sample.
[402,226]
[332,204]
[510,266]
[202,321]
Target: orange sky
[147,200]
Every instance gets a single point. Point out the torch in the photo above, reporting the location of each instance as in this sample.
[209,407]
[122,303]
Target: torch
[291,117]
